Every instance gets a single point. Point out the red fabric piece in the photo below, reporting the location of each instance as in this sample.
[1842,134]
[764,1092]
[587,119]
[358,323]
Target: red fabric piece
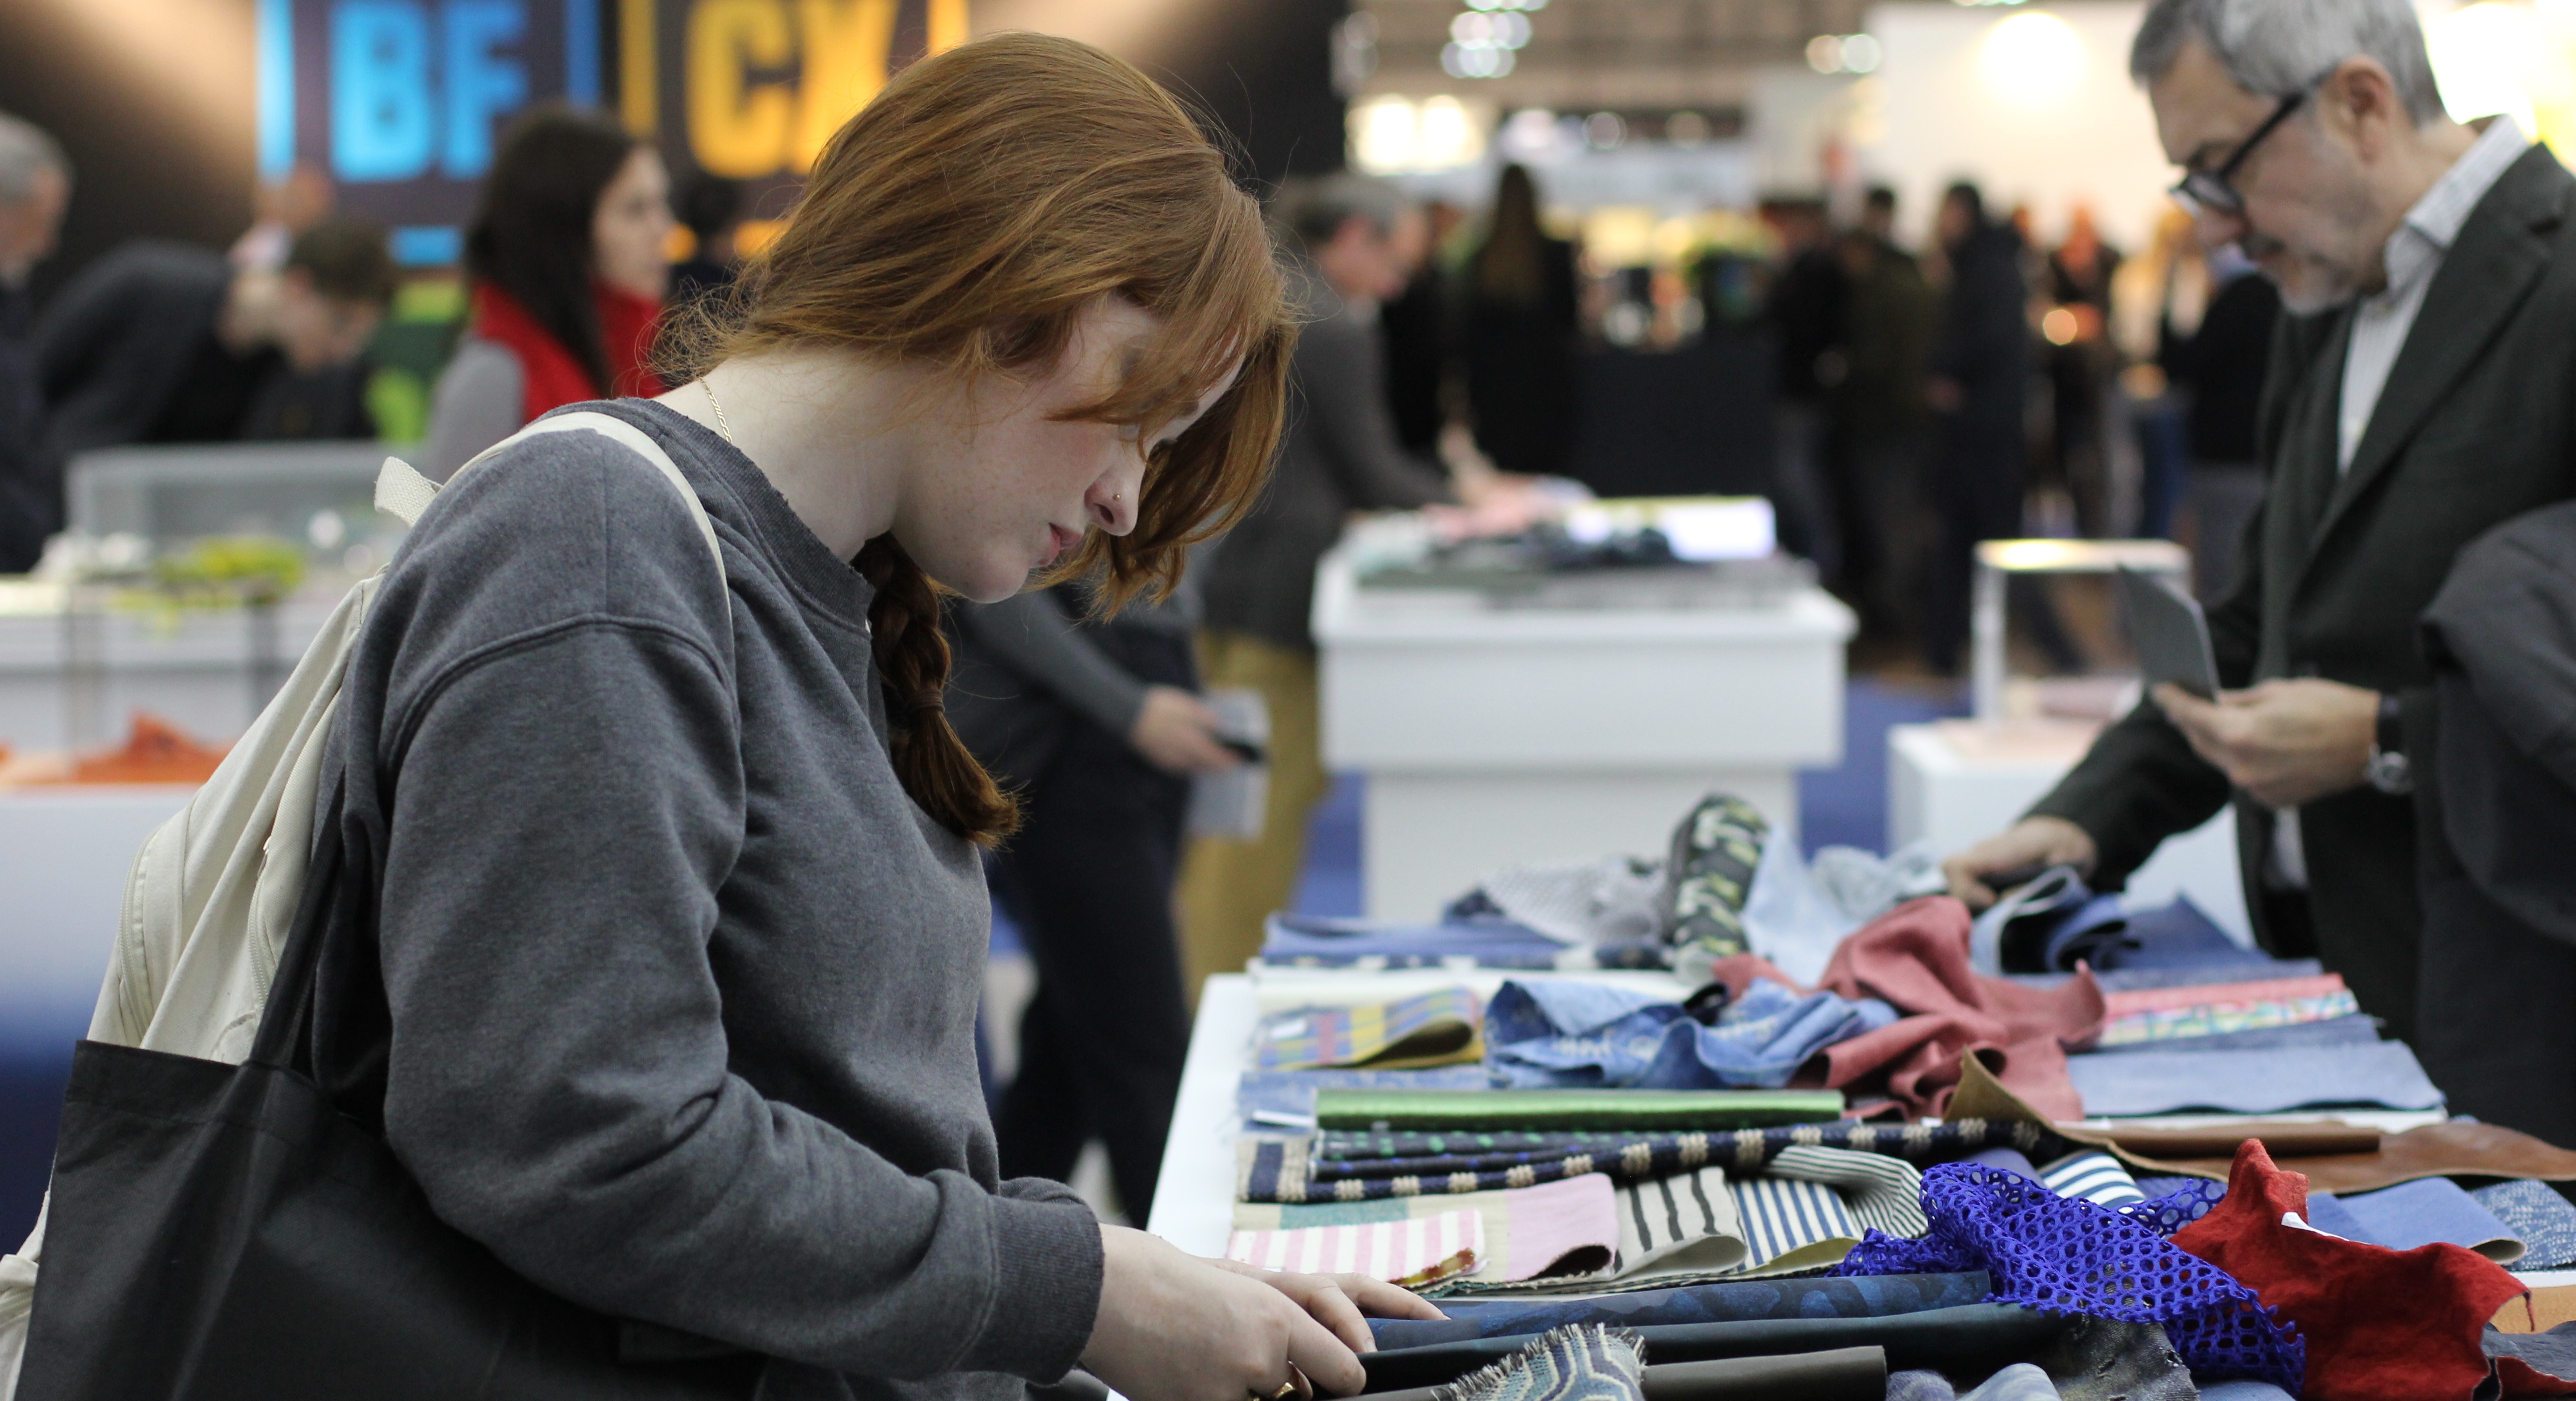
[2380,1324]
[1915,959]
[550,377]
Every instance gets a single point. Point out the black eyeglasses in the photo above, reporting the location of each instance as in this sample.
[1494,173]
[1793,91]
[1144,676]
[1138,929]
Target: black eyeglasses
[2214,191]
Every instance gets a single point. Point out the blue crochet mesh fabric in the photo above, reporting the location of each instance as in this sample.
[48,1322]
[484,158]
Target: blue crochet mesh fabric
[2068,1255]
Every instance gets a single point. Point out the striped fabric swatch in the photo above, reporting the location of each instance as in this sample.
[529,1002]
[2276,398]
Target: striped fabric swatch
[1436,1028]
[2178,1013]
[1883,1194]
[1786,1221]
[1683,1222]
[1413,1252]
[1562,1228]
[2095,1177]
[1366,1166]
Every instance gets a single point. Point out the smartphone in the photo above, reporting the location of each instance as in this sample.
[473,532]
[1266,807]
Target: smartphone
[2171,633]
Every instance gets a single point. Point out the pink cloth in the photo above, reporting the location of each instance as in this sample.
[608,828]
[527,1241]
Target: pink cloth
[1414,1252]
[1915,958]
[1564,1227]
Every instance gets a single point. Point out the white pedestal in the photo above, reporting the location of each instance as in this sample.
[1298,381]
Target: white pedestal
[194,671]
[64,855]
[1494,736]
[1956,782]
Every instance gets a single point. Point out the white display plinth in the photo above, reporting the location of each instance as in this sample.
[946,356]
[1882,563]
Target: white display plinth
[1956,782]
[1495,736]
[74,683]
[64,855]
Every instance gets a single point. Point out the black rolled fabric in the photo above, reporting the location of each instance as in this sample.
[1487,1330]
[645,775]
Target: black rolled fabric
[220,1233]
[1843,1374]
[1967,1338]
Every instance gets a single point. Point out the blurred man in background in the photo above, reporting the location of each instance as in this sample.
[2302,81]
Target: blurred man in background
[2417,398]
[35,189]
[169,343]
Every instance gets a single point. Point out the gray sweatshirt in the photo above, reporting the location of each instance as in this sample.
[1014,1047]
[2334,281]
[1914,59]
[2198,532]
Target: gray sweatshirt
[682,986]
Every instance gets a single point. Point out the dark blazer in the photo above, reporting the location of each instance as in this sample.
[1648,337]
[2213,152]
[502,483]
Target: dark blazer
[2477,425]
[1340,456]
[2499,790]
[112,345]
[31,485]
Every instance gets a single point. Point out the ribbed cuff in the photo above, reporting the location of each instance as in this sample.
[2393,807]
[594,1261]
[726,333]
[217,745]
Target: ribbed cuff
[1046,1290]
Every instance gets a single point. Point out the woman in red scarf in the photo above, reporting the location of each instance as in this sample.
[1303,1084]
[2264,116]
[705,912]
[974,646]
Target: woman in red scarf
[566,260]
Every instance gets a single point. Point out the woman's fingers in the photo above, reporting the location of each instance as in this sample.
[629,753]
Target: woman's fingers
[1325,1359]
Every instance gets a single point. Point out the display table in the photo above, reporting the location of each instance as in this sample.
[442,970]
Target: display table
[1496,736]
[64,855]
[70,679]
[1956,782]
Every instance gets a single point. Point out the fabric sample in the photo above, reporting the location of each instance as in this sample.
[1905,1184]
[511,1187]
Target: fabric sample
[1786,1220]
[1573,1109]
[1920,1385]
[1570,1364]
[1699,1303]
[2006,1159]
[1683,1222]
[1608,900]
[1301,941]
[2065,1255]
[2543,1220]
[2046,925]
[2018,1382]
[2354,1030]
[1972,1338]
[1578,1035]
[2101,1359]
[2179,937]
[2252,971]
[2094,1176]
[1272,1099]
[1836,1374]
[2379,1324]
[2243,1389]
[1882,1193]
[1561,1228]
[1436,1028]
[2165,1014]
[1708,877]
[1413,1252]
[1915,959]
[2532,1364]
[2418,1213]
[2383,1074]
[1271,1169]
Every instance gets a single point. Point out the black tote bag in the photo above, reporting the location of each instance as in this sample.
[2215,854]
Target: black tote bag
[221,1233]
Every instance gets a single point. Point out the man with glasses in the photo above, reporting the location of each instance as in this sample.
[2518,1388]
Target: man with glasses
[2422,390]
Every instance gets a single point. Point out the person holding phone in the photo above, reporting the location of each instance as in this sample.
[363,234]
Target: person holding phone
[2430,272]
[664,980]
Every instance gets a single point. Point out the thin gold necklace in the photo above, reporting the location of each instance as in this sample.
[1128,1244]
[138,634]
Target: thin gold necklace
[718,405]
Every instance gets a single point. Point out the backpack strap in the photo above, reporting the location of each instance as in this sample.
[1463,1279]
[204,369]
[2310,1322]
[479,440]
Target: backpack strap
[403,493]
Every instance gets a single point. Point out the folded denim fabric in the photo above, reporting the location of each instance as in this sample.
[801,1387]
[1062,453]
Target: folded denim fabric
[2177,936]
[1270,1100]
[1699,1303]
[2383,1073]
[2095,1176]
[1968,1338]
[1414,1252]
[1579,1035]
[1559,1228]
[2019,932]
[2417,1213]
[1703,1110]
[2543,1220]
[1435,1028]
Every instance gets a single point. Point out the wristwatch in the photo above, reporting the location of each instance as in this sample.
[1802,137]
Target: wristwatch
[2388,771]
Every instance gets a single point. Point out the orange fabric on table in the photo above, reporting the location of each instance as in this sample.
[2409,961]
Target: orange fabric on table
[1915,958]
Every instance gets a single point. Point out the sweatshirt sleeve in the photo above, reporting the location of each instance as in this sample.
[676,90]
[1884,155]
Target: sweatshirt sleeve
[558,1077]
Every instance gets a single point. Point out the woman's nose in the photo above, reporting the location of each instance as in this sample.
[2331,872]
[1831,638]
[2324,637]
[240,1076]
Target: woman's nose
[1112,505]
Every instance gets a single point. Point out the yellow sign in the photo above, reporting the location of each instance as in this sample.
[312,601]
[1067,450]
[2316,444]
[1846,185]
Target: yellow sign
[763,84]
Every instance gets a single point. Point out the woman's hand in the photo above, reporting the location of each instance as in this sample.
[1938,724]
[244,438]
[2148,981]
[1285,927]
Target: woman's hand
[1176,733]
[1173,1327]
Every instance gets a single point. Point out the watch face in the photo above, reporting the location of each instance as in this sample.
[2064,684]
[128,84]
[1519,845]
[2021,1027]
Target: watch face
[2389,773]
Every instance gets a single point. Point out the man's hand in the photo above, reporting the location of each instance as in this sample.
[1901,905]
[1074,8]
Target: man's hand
[1177,733]
[2027,847]
[2284,742]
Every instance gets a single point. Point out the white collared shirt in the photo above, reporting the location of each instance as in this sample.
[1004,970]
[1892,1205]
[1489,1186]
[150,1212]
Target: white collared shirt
[2380,325]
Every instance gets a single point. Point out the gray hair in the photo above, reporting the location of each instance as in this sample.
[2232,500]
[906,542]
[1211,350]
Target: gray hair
[27,150]
[1314,207]
[2275,48]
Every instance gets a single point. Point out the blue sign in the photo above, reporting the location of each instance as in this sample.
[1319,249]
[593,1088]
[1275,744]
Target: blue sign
[401,101]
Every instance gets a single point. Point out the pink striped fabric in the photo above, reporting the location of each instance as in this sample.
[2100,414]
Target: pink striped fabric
[1414,1252]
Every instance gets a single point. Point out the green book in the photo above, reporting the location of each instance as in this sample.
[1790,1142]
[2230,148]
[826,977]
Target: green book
[1622,1110]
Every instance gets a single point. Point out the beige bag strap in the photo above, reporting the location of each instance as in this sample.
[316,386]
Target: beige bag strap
[403,493]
